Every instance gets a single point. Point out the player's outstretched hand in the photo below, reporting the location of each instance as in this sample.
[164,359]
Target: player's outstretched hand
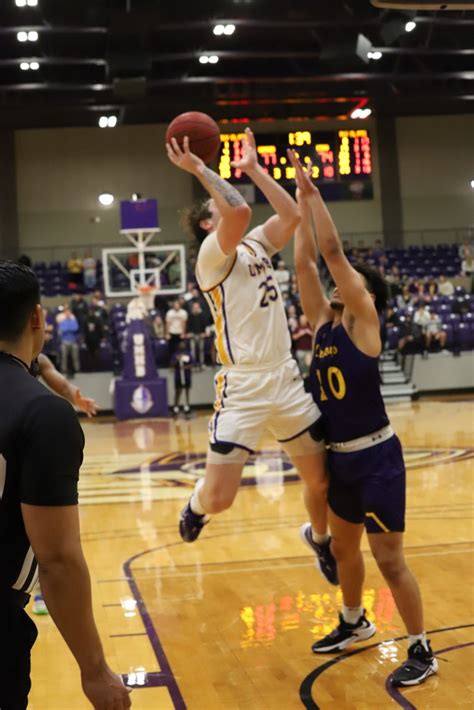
[183,158]
[86,404]
[105,690]
[249,159]
[305,187]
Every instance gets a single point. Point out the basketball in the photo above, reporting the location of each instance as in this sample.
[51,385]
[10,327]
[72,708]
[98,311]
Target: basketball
[202,131]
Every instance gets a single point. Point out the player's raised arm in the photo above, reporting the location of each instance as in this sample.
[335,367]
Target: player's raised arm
[351,287]
[313,301]
[235,212]
[280,228]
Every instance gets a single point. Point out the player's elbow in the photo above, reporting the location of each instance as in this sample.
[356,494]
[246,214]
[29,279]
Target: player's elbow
[331,249]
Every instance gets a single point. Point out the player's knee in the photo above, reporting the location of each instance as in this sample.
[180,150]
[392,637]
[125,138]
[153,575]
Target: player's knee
[342,549]
[218,500]
[390,565]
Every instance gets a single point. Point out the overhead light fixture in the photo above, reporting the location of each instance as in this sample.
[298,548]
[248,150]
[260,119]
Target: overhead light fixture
[108,121]
[34,66]
[203,59]
[24,66]
[219,29]
[208,59]
[472,184]
[410,26]
[20,3]
[32,36]
[32,3]
[361,113]
[22,36]
[213,59]
[229,29]
[375,55]
[106,199]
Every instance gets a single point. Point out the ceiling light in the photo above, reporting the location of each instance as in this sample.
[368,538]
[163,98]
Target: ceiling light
[213,59]
[375,55]
[33,36]
[112,121]
[410,26]
[203,59]
[106,199]
[103,122]
[219,30]
[229,29]
[32,3]
[22,36]
[361,113]
[472,184]
[24,66]
[355,113]
[34,66]
[20,3]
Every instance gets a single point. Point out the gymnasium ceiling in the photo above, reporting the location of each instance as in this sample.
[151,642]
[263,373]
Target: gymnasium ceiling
[139,60]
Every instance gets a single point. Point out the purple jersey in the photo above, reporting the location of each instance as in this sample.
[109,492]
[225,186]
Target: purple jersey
[345,384]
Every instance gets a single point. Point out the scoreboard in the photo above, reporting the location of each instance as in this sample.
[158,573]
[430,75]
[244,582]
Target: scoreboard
[340,159]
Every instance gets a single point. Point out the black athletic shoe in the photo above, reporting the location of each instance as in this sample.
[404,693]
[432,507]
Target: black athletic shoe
[420,664]
[325,561]
[345,635]
[190,524]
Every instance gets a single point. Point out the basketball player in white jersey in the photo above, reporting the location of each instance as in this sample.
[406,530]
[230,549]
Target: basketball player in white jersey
[259,386]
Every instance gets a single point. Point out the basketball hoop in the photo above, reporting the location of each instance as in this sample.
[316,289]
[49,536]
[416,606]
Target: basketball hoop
[146,295]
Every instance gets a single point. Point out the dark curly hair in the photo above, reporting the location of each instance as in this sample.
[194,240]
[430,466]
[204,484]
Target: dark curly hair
[376,284]
[19,294]
[193,216]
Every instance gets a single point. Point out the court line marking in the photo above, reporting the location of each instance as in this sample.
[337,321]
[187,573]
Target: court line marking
[306,686]
[395,693]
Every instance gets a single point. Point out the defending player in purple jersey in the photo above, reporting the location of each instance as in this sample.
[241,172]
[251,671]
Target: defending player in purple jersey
[367,472]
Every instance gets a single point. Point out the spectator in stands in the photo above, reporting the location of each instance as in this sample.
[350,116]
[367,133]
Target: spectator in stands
[74,269]
[68,332]
[434,333]
[97,307]
[176,322]
[292,319]
[465,247]
[93,335]
[80,309]
[431,288]
[405,299]
[50,345]
[189,291]
[393,280]
[302,339]
[467,264]
[282,275]
[182,364]
[196,333]
[445,287]
[158,327]
[411,337]
[90,271]
[422,316]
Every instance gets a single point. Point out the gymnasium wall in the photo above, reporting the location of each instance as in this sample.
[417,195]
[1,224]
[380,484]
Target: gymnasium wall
[60,172]
[436,168]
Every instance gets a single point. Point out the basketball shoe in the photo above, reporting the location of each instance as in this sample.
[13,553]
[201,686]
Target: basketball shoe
[420,664]
[325,561]
[345,635]
[191,524]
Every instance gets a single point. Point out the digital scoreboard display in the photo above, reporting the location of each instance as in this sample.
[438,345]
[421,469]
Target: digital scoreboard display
[342,160]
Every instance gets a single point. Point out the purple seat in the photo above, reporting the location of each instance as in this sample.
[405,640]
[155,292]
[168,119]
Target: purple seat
[393,336]
[448,328]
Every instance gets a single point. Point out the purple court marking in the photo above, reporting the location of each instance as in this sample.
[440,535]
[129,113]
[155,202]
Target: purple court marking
[166,677]
[395,693]
[306,686]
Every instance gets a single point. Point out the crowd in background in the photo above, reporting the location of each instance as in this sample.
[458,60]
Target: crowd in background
[83,326]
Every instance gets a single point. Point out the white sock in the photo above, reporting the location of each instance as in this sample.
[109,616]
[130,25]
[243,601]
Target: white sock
[418,637]
[319,539]
[194,501]
[352,614]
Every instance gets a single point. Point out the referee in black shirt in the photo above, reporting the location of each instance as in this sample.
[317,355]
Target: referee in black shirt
[41,445]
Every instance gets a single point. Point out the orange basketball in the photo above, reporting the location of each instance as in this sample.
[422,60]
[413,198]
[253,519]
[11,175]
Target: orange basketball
[202,131]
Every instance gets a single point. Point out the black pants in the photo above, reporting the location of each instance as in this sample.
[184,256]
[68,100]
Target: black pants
[17,636]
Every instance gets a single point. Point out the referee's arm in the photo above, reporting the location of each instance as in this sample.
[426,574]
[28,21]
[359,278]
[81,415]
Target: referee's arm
[50,471]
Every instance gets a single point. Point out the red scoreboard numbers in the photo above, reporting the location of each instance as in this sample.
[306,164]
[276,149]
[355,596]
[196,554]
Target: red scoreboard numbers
[343,155]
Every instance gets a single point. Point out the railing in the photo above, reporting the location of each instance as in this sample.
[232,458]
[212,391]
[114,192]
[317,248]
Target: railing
[422,237]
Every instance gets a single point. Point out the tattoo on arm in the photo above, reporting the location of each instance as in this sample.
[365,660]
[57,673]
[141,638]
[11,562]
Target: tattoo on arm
[229,193]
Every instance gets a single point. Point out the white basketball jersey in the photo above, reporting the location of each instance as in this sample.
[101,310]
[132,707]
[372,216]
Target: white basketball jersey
[247,307]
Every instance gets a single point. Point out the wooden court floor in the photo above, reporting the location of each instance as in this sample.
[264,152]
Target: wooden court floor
[228,621]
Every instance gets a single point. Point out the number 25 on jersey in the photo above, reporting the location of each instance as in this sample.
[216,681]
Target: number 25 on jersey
[336,384]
